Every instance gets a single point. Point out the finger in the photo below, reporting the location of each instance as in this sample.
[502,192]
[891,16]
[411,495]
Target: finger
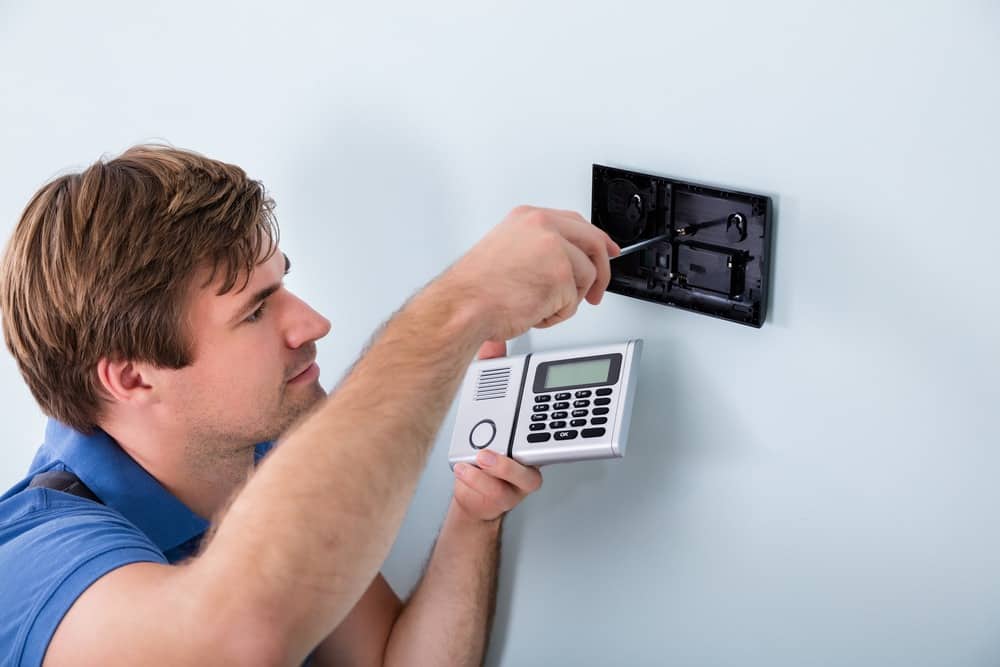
[603,278]
[599,259]
[598,253]
[524,478]
[595,237]
[474,501]
[550,321]
[500,494]
[584,274]
[568,300]
[584,270]
[613,248]
[492,349]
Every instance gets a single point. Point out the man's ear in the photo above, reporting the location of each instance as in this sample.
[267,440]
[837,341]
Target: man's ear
[126,381]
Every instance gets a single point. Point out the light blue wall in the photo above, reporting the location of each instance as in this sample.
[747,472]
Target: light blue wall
[823,491]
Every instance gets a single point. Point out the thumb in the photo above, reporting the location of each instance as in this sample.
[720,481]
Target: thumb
[492,349]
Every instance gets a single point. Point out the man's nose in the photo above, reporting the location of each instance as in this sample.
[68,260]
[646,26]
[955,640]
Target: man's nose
[304,324]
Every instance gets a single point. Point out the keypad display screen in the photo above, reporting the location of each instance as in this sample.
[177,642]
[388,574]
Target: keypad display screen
[574,373]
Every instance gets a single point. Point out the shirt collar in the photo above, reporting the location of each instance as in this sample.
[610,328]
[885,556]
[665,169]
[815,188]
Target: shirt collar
[121,484]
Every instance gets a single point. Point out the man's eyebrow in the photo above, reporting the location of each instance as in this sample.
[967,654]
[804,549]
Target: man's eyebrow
[262,294]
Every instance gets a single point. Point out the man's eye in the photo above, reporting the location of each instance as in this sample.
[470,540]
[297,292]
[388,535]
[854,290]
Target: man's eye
[255,315]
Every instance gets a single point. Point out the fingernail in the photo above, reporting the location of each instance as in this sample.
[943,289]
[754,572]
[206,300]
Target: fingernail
[486,457]
[460,469]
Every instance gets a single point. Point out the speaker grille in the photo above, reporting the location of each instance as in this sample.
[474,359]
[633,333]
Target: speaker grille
[493,383]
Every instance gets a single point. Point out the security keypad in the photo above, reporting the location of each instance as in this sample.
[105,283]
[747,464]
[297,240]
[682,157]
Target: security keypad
[560,406]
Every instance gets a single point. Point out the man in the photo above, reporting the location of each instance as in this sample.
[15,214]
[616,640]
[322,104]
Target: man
[144,304]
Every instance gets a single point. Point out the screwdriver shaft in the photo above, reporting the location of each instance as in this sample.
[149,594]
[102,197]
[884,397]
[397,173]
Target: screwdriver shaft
[627,250]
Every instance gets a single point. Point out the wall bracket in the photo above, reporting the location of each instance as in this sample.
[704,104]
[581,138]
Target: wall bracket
[716,254]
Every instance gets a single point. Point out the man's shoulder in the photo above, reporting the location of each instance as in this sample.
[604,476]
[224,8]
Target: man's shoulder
[40,512]
[26,509]
[53,545]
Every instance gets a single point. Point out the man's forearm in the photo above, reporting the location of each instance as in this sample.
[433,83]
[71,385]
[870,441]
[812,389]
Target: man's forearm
[308,533]
[447,619]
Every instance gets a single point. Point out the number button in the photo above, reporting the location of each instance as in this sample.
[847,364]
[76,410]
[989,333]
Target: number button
[579,413]
[560,406]
[557,425]
[563,396]
[583,393]
[581,404]
[539,408]
[559,415]
[576,422]
[540,417]
[543,398]
[536,427]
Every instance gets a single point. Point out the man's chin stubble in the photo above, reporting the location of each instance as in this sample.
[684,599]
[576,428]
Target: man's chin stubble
[301,411]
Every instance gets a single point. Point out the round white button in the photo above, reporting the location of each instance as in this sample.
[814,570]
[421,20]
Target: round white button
[482,434]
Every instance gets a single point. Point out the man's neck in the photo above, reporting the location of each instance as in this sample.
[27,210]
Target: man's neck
[204,476]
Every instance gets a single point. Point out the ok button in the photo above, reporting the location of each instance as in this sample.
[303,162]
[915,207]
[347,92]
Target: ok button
[482,434]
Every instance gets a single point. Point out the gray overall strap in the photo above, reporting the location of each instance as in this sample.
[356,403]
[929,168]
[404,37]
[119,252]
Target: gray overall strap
[65,481]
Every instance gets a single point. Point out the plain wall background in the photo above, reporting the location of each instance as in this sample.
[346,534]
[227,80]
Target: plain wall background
[823,491]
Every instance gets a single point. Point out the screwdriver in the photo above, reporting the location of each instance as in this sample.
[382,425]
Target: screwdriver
[640,245]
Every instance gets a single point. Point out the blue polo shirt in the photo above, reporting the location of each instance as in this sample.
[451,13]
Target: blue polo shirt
[54,545]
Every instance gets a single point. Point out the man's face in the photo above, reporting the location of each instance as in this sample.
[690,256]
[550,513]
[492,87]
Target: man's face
[253,370]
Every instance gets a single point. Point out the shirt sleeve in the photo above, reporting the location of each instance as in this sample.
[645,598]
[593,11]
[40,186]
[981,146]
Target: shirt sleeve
[60,551]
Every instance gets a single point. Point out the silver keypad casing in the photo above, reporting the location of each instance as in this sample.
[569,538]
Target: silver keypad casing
[497,397]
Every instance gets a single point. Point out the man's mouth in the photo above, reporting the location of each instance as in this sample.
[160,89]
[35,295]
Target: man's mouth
[303,372]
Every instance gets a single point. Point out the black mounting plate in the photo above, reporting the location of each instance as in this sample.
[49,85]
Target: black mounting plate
[715,257]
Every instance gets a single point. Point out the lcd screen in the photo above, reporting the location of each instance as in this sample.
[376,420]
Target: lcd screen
[574,373]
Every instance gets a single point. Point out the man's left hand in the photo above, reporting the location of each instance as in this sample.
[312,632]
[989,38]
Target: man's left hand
[499,482]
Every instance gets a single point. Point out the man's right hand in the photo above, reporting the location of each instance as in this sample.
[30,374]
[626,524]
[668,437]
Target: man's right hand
[533,269]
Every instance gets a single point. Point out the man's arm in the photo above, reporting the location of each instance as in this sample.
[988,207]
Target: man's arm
[304,539]
[361,639]
[446,620]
